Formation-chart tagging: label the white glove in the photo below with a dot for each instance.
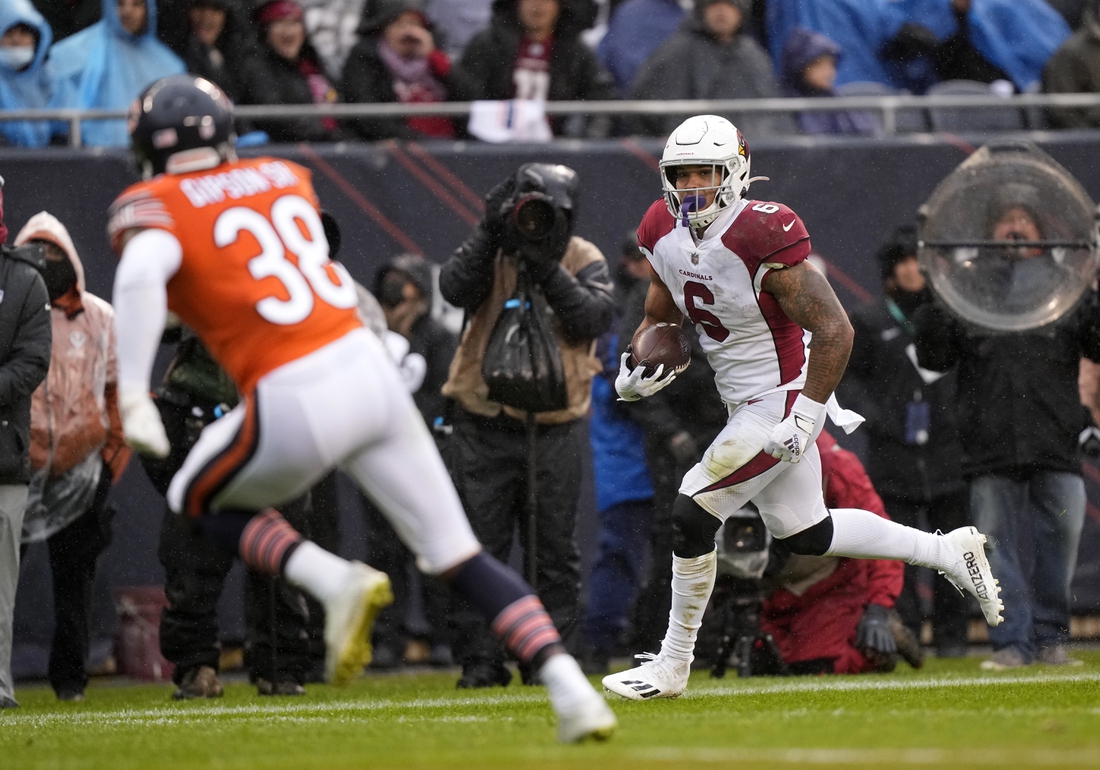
(141, 424)
(790, 439)
(412, 366)
(632, 385)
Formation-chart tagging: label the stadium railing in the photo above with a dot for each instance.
(887, 106)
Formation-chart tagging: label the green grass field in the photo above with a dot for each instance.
(949, 714)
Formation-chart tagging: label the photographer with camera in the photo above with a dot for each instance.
(26, 338)
(832, 615)
(523, 261)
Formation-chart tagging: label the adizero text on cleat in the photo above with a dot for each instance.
(657, 677)
(974, 575)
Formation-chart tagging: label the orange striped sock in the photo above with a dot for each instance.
(267, 542)
(526, 629)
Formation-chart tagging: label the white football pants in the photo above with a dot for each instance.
(344, 406)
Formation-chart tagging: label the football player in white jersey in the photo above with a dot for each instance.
(778, 341)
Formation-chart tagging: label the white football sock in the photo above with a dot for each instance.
(566, 684)
(316, 571)
(860, 534)
(692, 582)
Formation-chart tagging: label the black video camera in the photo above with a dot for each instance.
(745, 556)
(535, 212)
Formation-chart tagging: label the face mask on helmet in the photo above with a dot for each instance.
(711, 141)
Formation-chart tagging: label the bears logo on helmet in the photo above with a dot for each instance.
(180, 124)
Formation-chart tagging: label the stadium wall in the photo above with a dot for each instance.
(391, 198)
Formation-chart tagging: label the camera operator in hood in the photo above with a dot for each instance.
(528, 224)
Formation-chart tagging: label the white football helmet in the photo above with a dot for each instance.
(699, 141)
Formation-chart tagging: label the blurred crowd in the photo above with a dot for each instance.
(100, 54)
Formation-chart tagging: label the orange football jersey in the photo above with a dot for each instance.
(256, 282)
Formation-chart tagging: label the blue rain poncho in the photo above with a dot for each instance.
(1018, 36)
(31, 88)
(860, 28)
(105, 67)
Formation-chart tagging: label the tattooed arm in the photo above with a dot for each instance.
(809, 301)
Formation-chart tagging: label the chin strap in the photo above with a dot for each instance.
(750, 180)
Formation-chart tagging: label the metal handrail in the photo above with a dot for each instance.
(888, 106)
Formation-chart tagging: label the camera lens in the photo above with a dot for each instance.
(534, 218)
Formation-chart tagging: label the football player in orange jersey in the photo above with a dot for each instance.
(236, 249)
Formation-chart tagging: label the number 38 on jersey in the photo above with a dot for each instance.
(283, 233)
(255, 281)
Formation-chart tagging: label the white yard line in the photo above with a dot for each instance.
(180, 713)
(198, 711)
(848, 757)
(856, 684)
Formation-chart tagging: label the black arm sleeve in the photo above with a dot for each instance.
(937, 337)
(583, 303)
(466, 279)
(29, 356)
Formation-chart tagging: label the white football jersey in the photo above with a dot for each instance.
(752, 345)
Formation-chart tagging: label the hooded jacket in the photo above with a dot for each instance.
(105, 67)
(826, 593)
(367, 79)
(268, 78)
(31, 88)
(24, 354)
(803, 47)
(636, 29)
(693, 65)
(221, 63)
(1017, 36)
(1019, 408)
(1075, 69)
(74, 413)
(575, 73)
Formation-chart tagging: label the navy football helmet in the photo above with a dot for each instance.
(180, 124)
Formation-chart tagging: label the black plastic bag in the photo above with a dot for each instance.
(522, 364)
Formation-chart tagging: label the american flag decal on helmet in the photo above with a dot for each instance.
(136, 209)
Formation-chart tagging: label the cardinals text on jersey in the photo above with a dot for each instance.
(256, 282)
(752, 345)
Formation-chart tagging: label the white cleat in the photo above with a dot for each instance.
(594, 719)
(349, 619)
(657, 677)
(974, 575)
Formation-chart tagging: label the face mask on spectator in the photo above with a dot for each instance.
(60, 275)
(17, 57)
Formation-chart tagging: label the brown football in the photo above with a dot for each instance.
(661, 343)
